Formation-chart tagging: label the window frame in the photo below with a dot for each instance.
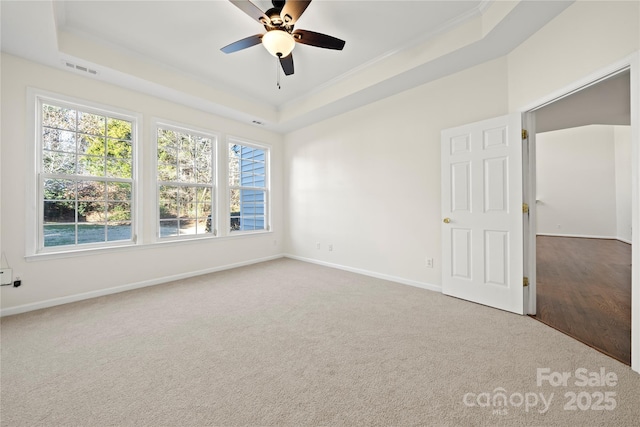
(35, 244)
(233, 140)
(215, 141)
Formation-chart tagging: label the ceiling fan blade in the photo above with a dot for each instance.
(287, 64)
(243, 44)
(317, 39)
(252, 10)
(292, 10)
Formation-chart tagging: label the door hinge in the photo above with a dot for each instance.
(525, 282)
(525, 134)
(525, 208)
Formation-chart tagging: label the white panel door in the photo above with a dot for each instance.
(482, 239)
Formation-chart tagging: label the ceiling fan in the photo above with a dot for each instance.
(281, 38)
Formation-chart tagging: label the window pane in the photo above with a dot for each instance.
(57, 212)
(234, 199)
(187, 226)
(92, 212)
(91, 165)
(120, 129)
(246, 179)
(203, 195)
(59, 189)
(168, 228)
(167, 172)
(58, 163)
(58, 140)
(119, 191)
(203, 226)
(91, 190)
(187, 161)
(58, 117)
(234, 169)
(168, 202)
(59, 234)
(166, 139)
(91, 233)
(186, 200)
(91, 124)
(119, 212)
(118, 232)
(119, 148)
(204, 170)
(118, 168)
(94, 145)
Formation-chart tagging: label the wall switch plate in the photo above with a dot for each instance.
(6, 276)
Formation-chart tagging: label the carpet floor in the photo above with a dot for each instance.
(288, 343)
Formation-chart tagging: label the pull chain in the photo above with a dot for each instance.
(278, 73)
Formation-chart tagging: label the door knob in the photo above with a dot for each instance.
(446, 220)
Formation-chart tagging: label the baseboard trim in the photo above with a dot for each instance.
(117, 289)
(582, 236)
(414, 283)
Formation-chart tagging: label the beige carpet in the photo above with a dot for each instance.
(296, 344)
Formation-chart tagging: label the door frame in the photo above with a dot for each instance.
(631, 63)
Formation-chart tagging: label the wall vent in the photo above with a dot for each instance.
(81, 68)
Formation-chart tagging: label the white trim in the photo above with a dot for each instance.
(583, 236)
(634, 63)
(117, 289)
(396, 279)
(136, 247)
(529, 221)
(583, 83)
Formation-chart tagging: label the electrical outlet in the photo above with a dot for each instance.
(317, 245)
(330, 248)
(6, 276)
(429, 262)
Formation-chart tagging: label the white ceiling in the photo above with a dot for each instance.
(172, 49)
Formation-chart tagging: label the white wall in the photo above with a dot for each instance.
(586, 37)
(622, 140)
(576, 182)
(47, 279)
(368, 182)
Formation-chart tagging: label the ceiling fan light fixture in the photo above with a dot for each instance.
(279, 43)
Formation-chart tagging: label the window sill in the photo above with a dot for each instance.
(128, 247)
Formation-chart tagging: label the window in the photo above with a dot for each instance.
(185, 182)
(86, 180)
(248, 187)
(85, 175)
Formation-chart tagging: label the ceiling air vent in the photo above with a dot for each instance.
(80, 68)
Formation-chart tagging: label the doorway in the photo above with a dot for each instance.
(582, 216)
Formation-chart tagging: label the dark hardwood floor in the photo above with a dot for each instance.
(584, 290)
